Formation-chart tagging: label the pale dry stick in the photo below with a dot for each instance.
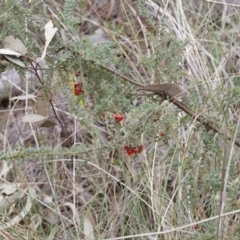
(27, 84)
(173, 229)
(225, 155)
(151, 178)
(74, 191)
(75, 131)
(225, 172)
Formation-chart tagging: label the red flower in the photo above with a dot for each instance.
(78, 73)
(196, 227)
(77, 89)
(118, 117)
(162, 134)
(133, 150)
(129, 150)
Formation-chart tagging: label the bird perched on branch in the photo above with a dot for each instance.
(167, 90)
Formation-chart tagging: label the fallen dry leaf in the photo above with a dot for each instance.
(42, 103)
(33, 118)
(6, 51)
(48, 124)
(14, 44)
(49, 33)
(15, 60)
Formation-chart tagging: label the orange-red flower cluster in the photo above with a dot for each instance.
(196, 227)
(162, 134)
(118, 117)
(133, 150)
(77, 89)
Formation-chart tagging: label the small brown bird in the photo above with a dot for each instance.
(165, 90)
